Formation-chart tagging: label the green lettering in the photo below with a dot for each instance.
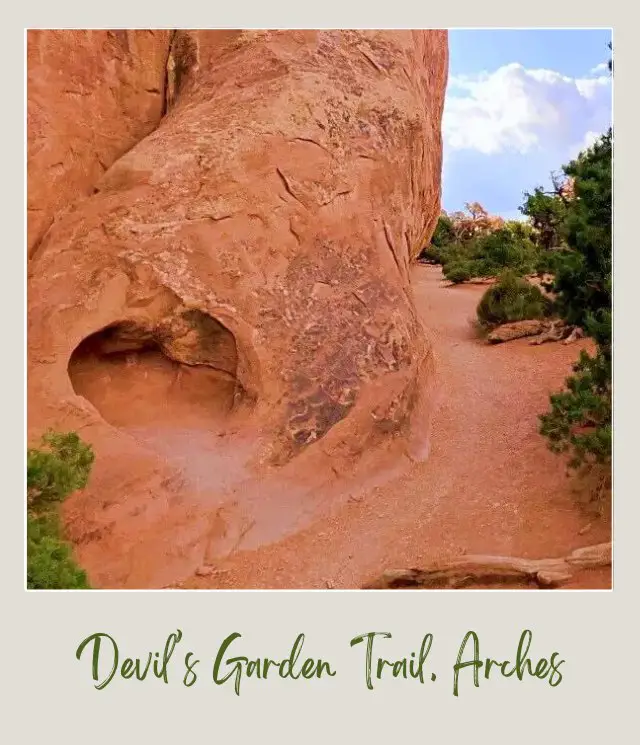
(475, 662)
(237, 670)
(96, 639)
(369, 637)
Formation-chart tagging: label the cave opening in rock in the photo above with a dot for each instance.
(132, 377)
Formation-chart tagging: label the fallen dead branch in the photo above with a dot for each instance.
(467, 571)
(576, 334)
(558, 331)
(542, 331)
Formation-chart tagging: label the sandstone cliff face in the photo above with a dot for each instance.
(92, 96)
(260, 236)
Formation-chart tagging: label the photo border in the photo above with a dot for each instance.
(590, 627)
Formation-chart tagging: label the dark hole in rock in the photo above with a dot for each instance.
(124, 372)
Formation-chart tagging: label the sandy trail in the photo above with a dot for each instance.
(490, 485)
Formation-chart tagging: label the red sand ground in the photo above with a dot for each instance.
(489, 486)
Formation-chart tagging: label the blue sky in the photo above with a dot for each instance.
(519, 105)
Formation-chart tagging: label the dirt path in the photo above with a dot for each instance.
(489, 485)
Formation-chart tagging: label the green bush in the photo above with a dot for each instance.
(510, 299)
(444, 233)
(508, 248)
(552, 262)
(50, 565)
(520, 229)
(580, 418)
(459, 260)
(458, 272)
(443, 236)
(60, 466)
(432, 255)
(547, 213)
(584, 283)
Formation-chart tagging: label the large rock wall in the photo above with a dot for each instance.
(281, 197)
(92, 95)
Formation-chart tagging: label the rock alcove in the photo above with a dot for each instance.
(180, 374)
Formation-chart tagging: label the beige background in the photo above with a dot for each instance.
(49, 695)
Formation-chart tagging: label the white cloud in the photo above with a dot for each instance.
(515, 109)
(586, 142)
(590, 138)
(602, 67)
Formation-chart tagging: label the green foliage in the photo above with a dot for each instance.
(547, 213)
(483, 250)
(508, 248)
(443, 236)
(50, 565)
(580, 417)
(458, 272)
(510, 299)
(431, 255)
(60, 466)
(584, 283)
(552, 262)
(520, 229)
(444, 233)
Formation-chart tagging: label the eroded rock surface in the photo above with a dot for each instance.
(92, 95)
(262, 231)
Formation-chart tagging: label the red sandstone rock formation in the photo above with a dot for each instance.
(247, 259)
(92, 96)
